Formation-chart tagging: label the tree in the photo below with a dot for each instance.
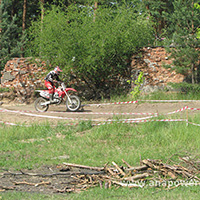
(9, 45)
(0, 19)
(158, 11)
(24, 24)
(13, 24)
(186, 53)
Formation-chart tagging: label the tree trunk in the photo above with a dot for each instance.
(95, 8)
(0, 17)
(193, 74)
(42, 2)
(24, 24)
(24, 15)
(198, 73)
(13, 8)
(42, 10)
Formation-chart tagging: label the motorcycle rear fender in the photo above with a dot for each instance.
(43, 93)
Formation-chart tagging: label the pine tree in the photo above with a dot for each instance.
(10, 43)
(184, 26)
(158, 11)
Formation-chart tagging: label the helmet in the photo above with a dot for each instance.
(57, 70)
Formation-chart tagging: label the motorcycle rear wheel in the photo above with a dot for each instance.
(74, 105)
(39, 107)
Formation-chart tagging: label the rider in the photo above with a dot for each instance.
(49, 81)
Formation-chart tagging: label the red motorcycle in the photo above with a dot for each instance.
(73, 102)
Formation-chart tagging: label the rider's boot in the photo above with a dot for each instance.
(51, 98)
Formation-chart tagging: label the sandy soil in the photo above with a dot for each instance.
(26, 114)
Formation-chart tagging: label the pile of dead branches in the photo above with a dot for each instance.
(151, 173)
(68, 177)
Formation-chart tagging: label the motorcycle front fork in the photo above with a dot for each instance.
(67, 95)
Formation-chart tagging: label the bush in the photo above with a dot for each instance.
(96, 50)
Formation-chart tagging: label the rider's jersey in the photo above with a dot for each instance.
(52, 76)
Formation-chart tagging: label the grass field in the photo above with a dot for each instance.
(31, 147)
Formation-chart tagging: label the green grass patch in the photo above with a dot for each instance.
(159, 95)
(180, 193)
(31, 147)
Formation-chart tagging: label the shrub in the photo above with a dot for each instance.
(96, 50)
(187, 87)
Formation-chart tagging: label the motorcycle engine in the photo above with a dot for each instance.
(58, 99)
(56, 95)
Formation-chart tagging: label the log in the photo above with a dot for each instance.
(84, 166)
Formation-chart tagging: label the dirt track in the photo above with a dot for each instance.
(26, 114)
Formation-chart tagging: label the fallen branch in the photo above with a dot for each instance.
(84, 167)
(138, 176)
(129, 166)
(150, 171)
(33, 184)
(3, 188)
(119, 169)
(143, 167)
(54, 174)
(189, 162)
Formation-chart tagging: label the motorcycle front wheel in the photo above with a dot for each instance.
(38, 105)
(75, 103)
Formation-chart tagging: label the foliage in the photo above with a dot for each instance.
(197, 6)
(94, 48)
(11, 37)
(4, 90)
(187, 88)
(184, 23)
(137, 85)
(9, 45)
(158, 10)
(198, 33)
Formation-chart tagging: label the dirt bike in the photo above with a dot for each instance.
(73, 102)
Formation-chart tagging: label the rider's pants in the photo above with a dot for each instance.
(50, 86)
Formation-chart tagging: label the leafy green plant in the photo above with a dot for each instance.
(137, 85)
(197, 6)
(4, 89)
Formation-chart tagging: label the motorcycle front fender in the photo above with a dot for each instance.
(70, 89)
